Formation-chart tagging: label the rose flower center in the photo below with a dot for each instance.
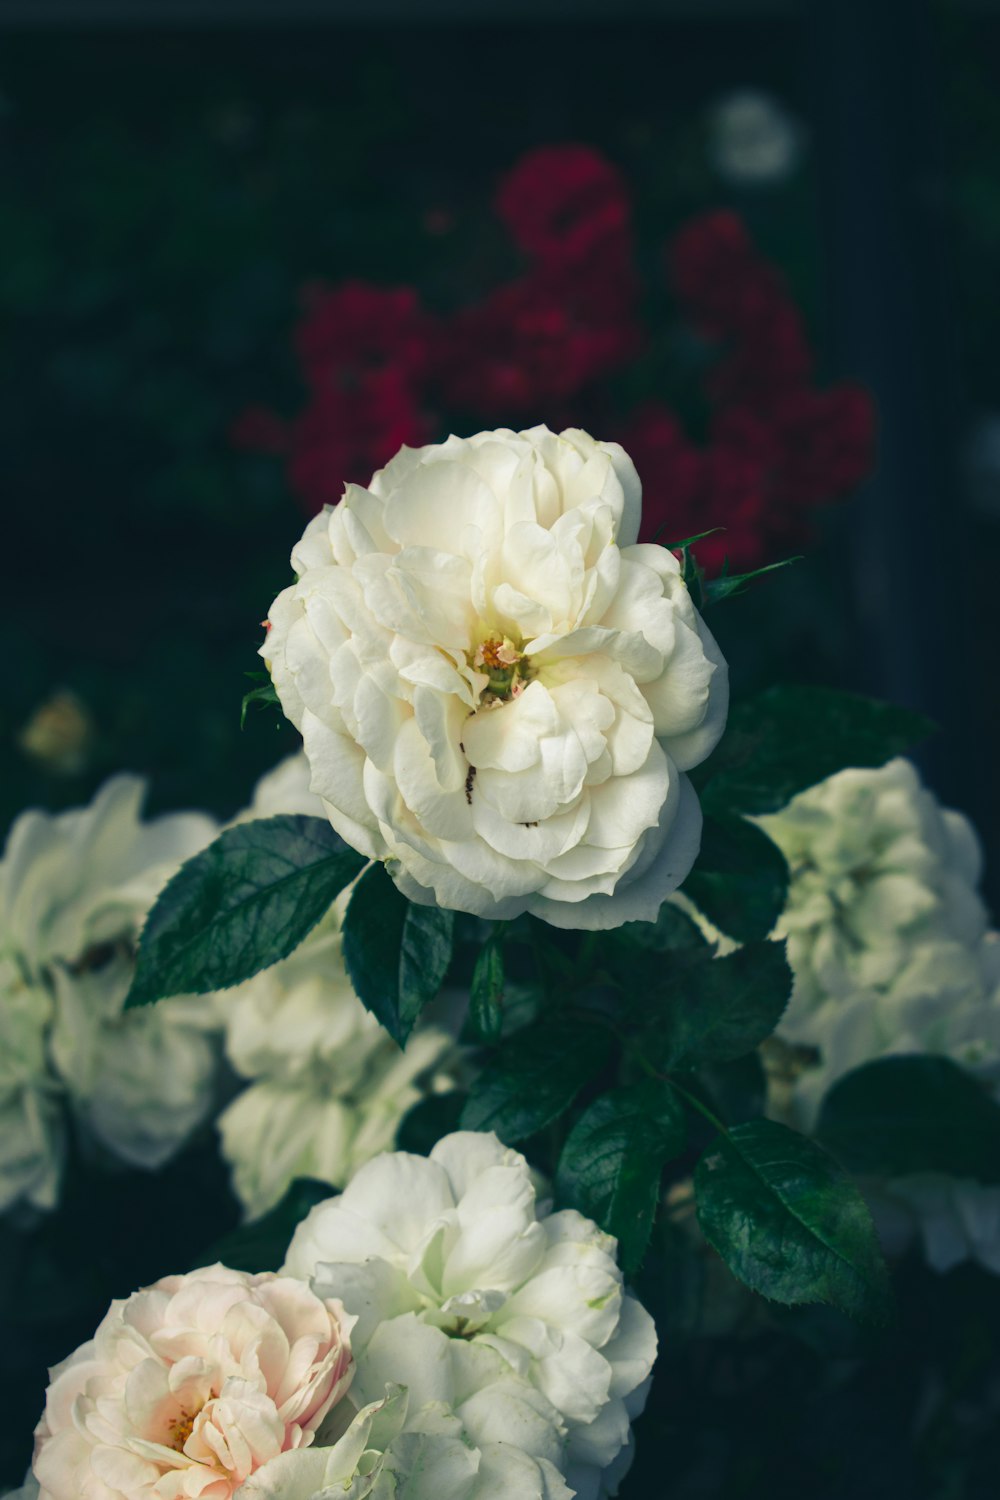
(506, 668)
(180, 1428)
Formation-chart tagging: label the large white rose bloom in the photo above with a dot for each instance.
(74, 890)
(888, 945)
(451, 1258)
(387, 1455)
(499, 692)
(189, 1386)
(327, 1087)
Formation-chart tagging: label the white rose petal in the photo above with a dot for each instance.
(498, 690)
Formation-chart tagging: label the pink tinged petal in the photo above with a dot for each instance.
(122, 1472)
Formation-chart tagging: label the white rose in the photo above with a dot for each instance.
(74, 890)
(877, 866)
(189, 1386)
(498, 690)
(449, 1259)
(383, 1456)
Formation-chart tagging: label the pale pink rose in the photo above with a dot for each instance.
(191, 1385)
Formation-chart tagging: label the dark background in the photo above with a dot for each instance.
(169, 177)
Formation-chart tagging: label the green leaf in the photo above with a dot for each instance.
(788, 738)
(673, 930)
(258, 697)
(613, 1159)
(262, 1244)
(397, 954)
(714, 590)
(487, 991)
(534, 1077)
(740, 879)
(711, 1010)
(789, 1222)
(912, 1114)
(240, 905)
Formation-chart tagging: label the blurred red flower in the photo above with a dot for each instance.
(381, 371)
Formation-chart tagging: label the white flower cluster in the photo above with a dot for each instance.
(499, 691)
(327, 1087)
(888, 943)
(490, 1349)
(74, 890)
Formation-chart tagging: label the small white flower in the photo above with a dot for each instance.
(753, 140)
(189, 1386)
(877, 867)
(457, 1273)
(498, 690)
(74, 890)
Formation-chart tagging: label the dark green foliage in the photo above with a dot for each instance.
(397, 954)
(740, 878)
(612, 1161)
(486, 998)
(534, 1077)
(240, 905)
(789, 1222)
(711, 1010)
(790, 737)
(913, 1114)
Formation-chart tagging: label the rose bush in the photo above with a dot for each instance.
(498, 691)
